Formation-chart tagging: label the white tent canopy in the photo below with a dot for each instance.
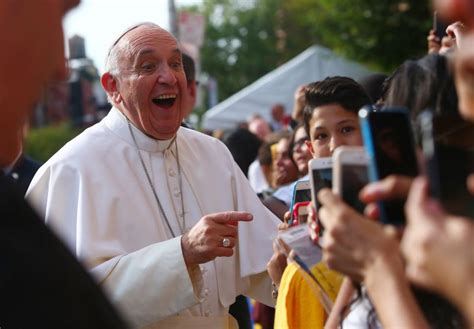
(279, 86)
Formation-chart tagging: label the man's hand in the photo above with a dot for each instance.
(437, 245)
(353, 244)
(277, 264)
(393, 187)
(298, 105)
(204, 241)
(434, 43)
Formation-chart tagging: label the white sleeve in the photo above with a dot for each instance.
(148, 284)
(151, 283)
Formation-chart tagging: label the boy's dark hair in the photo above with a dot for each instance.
(333, 90)
(189, 67)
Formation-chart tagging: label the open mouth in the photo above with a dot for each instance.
(166, 100)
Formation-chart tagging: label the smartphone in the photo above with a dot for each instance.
(439, 26)
(447, 166)
(389, 143)
(320, 172)
(301, 193)
(300, 213)
(350, 174)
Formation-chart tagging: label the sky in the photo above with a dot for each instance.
(100, 22)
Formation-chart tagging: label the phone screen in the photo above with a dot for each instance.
(299, 195)
(321, 178)
(391, 143)
(447, 166)
(354, 178)
(439, 26)
(454, 166)
(302, 195)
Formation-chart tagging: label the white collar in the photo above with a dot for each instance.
(117, 123)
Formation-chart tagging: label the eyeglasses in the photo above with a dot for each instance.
(300, 142)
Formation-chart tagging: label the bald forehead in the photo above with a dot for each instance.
(134, 39)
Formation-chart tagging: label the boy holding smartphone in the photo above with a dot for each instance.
(330, 120)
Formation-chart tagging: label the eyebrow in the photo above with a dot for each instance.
(144, 51)
(346, 121)
(177, 51)
(337, 124)
(147, 51)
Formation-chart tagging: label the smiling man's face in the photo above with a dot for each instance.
(150, 85)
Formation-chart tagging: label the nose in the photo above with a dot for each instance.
(300, 147)
(279, 161)
(335, 143)
(166, 76)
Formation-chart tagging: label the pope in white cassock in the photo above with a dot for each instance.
(161, 215)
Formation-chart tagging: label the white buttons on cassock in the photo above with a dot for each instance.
(171, 172)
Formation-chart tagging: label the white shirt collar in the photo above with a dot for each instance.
(117, 123)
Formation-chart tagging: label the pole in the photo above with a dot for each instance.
(173, 19)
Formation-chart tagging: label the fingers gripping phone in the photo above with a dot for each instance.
(350, 174)
(389, 143)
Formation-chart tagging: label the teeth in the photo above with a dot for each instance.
(166, 96)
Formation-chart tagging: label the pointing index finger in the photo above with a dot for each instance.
(231, 217)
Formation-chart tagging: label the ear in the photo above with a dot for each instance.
(109, 83)
(309, 145)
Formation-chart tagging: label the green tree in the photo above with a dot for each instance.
(42, 143)
(381, 34)
(240, 42)
(247, 38)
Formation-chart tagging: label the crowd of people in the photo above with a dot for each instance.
(143, 222)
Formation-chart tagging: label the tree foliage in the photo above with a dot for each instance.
(381, 34)
(239, 43)
(42, 143)
(247, 38)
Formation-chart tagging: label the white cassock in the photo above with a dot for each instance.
(95, 194)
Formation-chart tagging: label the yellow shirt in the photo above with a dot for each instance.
(297, 305)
